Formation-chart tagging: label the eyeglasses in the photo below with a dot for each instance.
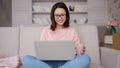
(60, 15)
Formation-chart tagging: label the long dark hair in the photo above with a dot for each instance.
(55, 6)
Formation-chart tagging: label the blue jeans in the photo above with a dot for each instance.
(81, 61)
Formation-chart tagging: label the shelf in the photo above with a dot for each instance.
(58, 0)
(78, 12)
(49, 12)
(41, 10)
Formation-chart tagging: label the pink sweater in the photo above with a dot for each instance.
(61, 34)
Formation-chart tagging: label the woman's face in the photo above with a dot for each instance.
(60, 16)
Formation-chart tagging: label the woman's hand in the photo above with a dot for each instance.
(80, 49)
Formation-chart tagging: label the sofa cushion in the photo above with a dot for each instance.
(27, 37)
(89, 37)
(93, 65)
(9, 40)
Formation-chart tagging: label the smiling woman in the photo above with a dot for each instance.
(60, 30)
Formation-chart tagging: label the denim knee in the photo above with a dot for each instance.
(84, 59)
(27, 58)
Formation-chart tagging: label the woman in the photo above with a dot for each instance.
(9, 62)
(60, 30)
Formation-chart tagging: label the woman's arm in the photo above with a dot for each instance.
(80, 48)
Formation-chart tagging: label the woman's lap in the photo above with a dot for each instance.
(55, 64)
(81, 61)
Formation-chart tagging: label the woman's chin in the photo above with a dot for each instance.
(61, 24)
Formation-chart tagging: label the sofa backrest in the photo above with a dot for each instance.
(88, 35)
(27, 37)
(9, 40)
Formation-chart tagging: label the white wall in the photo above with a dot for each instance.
(97, 12)
(114, 11)
(21, 12)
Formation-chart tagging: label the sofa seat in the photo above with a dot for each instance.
(94, 65)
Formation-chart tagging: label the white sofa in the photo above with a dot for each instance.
(20, 40)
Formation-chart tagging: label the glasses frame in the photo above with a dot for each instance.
(60, 15)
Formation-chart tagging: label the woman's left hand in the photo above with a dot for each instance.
(81, 49)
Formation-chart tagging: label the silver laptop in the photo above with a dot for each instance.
(55, 50)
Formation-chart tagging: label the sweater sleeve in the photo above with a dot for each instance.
(76, 38)
(79, 46)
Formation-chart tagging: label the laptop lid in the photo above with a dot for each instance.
(55, 50)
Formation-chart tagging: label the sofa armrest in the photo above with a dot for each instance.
(110, 58)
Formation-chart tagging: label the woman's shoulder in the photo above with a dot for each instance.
(46, 28)
(72, 28)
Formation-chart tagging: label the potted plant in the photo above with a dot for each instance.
(112, 24)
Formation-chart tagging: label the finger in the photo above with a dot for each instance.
(84, 47)
(83, 50)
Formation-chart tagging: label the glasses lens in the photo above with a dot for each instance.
(60, 15)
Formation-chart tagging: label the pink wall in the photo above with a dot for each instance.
(113, 10)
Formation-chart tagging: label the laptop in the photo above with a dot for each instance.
(55, 50)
